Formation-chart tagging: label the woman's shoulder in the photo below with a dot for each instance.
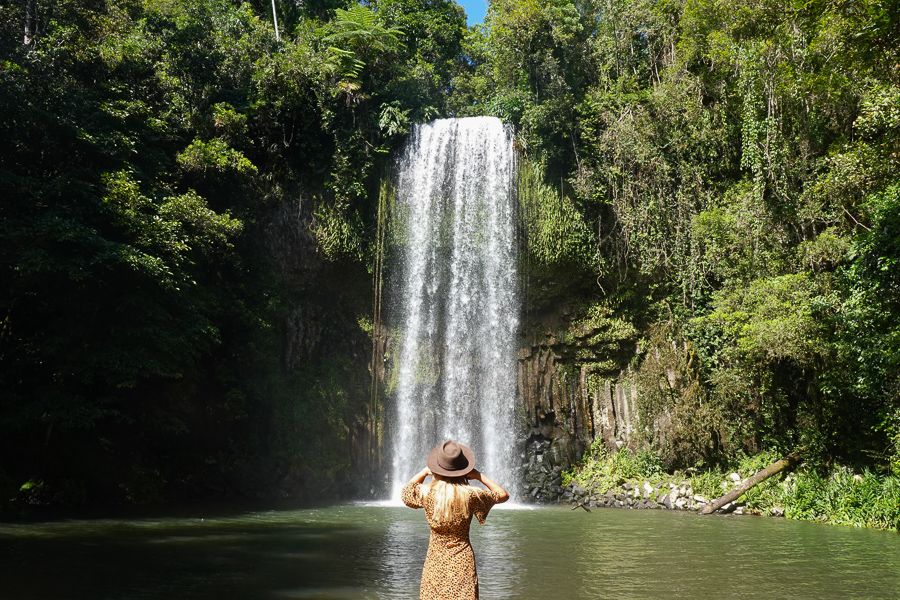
(477, 493)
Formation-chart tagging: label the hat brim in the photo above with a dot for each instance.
(432, 462)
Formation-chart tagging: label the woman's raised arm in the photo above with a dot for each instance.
(419, 477)
(502, 494)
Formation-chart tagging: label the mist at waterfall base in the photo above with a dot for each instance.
(454, 297)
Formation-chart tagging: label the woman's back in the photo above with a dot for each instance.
(449, 507)
(450, 502)
(449, 572)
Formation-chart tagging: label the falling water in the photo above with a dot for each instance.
(455, 296)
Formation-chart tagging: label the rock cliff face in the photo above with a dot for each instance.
(574, 387)
(320, 396)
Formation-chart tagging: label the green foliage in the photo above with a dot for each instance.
(843, 498)
(216, 156)
(707, 484)
(357, 37)
(393, 120)
(431, 33)
(556, 233)
(867, 337)
(773, 319)
(675, 414)
(337, 236)
(601, 470)
(157, 237)
(839, 498)
(735, 241)
(722, 173)
(228, 122)
(601, 325)
(739, 161)
(891, 425)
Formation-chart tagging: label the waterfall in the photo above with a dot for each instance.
(455, 298)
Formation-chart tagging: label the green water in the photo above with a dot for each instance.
(358, 551)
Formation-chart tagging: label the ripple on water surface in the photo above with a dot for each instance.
(376, 551)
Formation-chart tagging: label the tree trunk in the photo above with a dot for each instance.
(275, 20)
(30, 21)
(775, 468)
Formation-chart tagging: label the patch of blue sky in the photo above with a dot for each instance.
(475, 10)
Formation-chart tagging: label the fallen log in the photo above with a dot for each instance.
(581, 505)
(774, 469)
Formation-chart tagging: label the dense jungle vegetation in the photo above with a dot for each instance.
(189, 220)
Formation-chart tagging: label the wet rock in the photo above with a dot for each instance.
(776, 511)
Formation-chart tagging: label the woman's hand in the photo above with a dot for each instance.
(501, 494)
(420, 476)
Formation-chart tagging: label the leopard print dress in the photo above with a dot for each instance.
(449, 571)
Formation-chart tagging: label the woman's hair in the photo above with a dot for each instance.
(451, 498)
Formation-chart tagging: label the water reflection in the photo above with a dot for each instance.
(377, 552)
(496, 548)
(402, 555)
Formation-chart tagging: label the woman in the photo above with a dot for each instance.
(449, 502)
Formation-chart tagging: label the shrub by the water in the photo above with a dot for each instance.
(844, 498)
(601, 470)
(839, 497)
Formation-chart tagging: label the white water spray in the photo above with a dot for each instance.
(455, 297)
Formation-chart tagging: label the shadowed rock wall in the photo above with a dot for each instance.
(574, 387)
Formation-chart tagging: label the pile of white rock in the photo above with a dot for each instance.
(646, 495)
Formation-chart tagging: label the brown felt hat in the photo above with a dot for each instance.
(451, 459)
